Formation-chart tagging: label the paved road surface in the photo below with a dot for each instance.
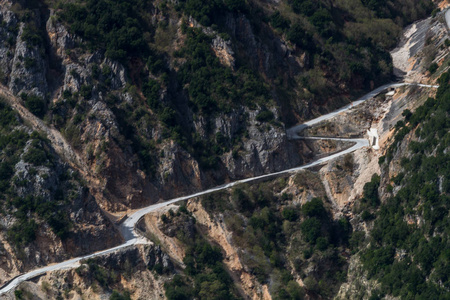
(127, 227)
(292, 133)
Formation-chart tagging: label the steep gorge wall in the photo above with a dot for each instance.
(56, 68)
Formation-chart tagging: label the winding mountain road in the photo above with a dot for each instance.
(127, 228)
(292, 132)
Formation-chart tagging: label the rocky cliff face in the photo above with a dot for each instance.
(142, 132)
(23, 66)
(66, 221)
(8, 34)
(128, 271)
(88, 98)
(214, 218)
(341, 182)
(138, 119)
(53, 215)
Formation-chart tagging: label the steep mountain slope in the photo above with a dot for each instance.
(45, 205)
(285, 240)
(409, 240)
(154, 99)
(186, 97)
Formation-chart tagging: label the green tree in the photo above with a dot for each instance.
(36, 105)
(311, 229)
(314, 208)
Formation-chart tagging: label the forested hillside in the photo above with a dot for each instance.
(171, 89)
(409, 241)
(287, 238)
(157, 99)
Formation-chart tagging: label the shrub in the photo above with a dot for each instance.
(433, 68)
(29, 62)
(407, 114)
(118, 296)
(235, 5)
(8, 116)
(435, 11)
(370, 190)
(314, 208)
(241, 200)
(22, 233)
(322, 19)
(289, 214)
(305, 7)
(278, 21)
(158, 268)
(18, 294)
(31, 36)
(164, 218)
(6, 171)
(86, 91)
(95, 71)
(36, 105)
(265, 116)
(46, 287)
(102, 275)
(322, 243)
(73, 135)
(378, 259)
(151, 92)
(311, 229)
(60, 224)
(366, 216)
(178, 289)
(348, 162)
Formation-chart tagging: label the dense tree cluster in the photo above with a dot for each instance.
(111, 24)
(211, 85)
(411, 259)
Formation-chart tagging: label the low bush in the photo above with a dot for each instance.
(265, 116)
(36, 105)
(433, 68)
